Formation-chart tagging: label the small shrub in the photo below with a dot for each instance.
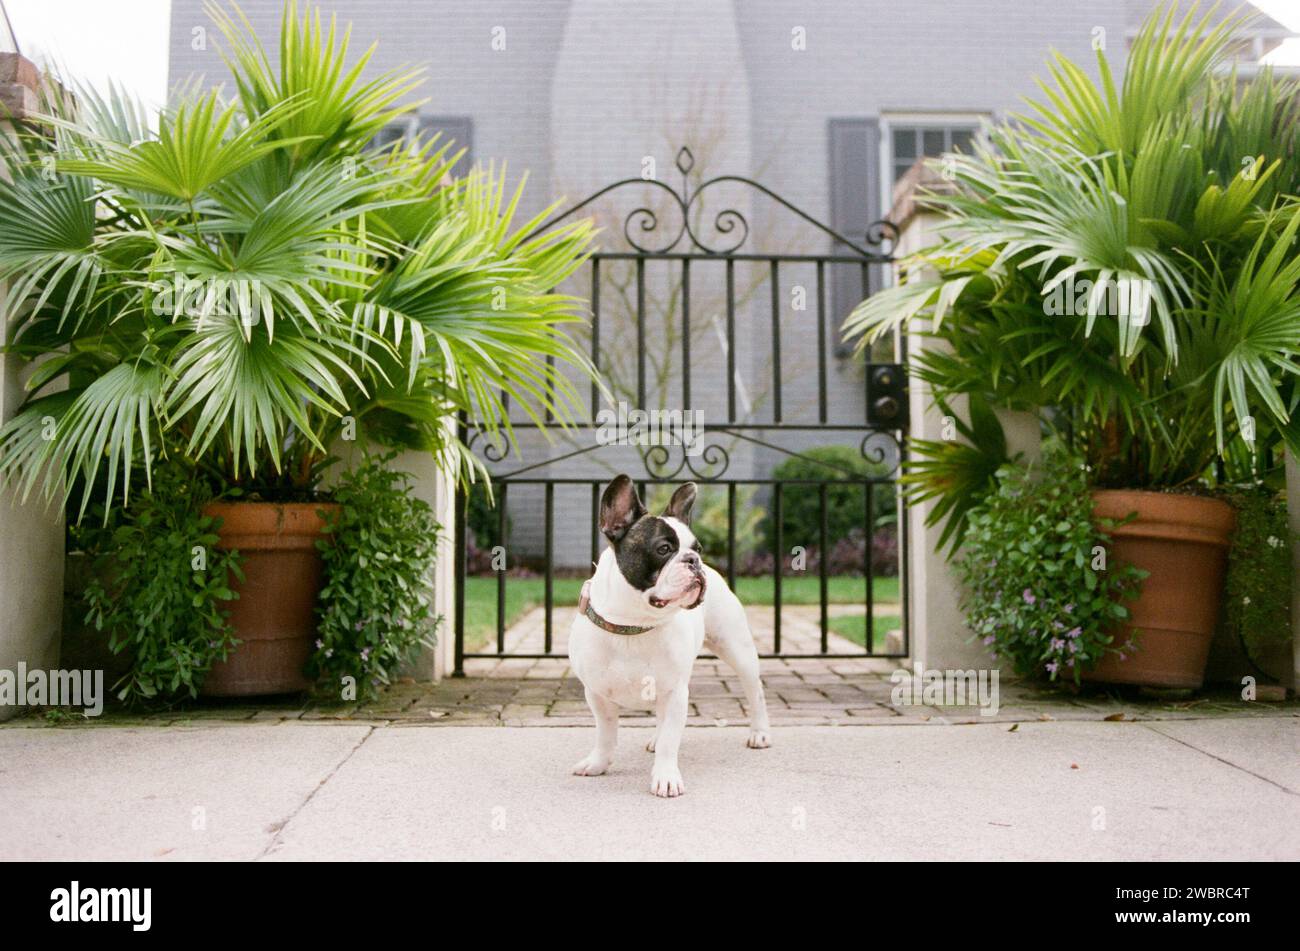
(374, 608)
(1031, 593)
(1257, 590)
(158, 587)
(848, 557)
(481, 516)
(845, 504)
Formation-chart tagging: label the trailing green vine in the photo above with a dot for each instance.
(1039, 590)
(375, 607)
(159, 587)
(1257, 590)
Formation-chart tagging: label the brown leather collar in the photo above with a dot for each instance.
(592, 615)
(584, 605)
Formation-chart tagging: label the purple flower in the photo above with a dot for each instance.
(989, 640)
(365, 654)
(1028, 596)
(1074, 632)
(359, 625)
(1074, 648)
(1069, 609)
(1070, 662)
(1051, 668)
(1058, 644)
(319, 643)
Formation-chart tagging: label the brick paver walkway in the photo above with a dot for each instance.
(800, 692)
(543, 693)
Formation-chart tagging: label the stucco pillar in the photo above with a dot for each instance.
(31, 533)
(437, 486)
(940, 638)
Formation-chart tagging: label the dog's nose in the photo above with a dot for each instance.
(691, 558)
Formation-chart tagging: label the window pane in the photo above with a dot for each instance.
(961, 139)
(933, 142)
(904, 144)
(389, 134)
(900, 169)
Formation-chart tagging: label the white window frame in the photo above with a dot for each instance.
(914, 120)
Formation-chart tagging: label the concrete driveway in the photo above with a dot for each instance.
(1185, 789)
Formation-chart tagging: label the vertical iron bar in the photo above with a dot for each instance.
(550, 367)
(904, 540)
(779, 569)
(686, 335)
(870, 640)
(731, 535)
(775, 280)
(640, 332)
(550, 559)
(731, 340)
(595, 333)
(501, 573)
(821, 342)
(823, 581)
(866, 389)
(595, 520)
(458, 666)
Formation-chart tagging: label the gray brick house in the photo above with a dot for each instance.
(827, 104)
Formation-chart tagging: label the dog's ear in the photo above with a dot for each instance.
(682, 504)
(620, 507)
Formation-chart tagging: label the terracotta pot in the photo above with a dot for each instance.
(275, 616)
(1182, 541)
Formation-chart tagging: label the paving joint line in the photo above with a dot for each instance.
(276, 839)
(1147, 724)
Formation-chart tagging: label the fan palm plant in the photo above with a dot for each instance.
(251, 280)
(1122, 260)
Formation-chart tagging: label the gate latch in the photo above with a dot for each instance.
(887, 396)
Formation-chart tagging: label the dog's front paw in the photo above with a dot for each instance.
(591, 765)
(666, 781)
(759, 740)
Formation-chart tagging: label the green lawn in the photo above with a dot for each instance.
(523, 594)
(854, 627)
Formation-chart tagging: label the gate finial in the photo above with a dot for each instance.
(685, 160)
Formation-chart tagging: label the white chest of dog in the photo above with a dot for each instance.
(646, 613)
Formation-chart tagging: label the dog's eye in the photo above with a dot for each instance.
(696, 548)
(665, 549)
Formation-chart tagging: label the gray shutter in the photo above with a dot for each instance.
(855, 204)
(460, 129)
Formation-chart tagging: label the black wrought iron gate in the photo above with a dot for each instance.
(661, 346)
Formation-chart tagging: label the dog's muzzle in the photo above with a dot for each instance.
(704, 584)
(698, 584)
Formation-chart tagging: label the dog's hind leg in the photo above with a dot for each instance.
(727, 634)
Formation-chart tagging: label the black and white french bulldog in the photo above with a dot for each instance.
(643, 618)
